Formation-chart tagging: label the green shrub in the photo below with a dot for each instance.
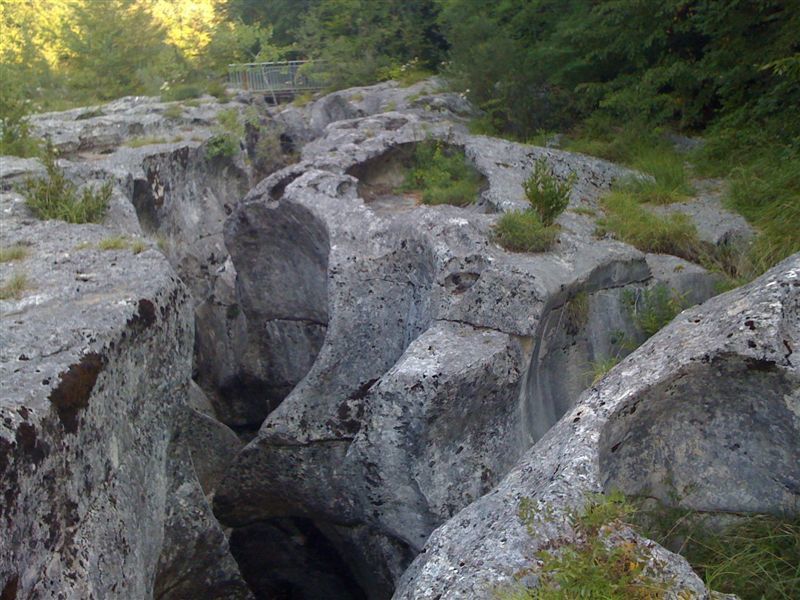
(228, 131)
(221, 145)
(217, 89)
(548, 196)
(15, 131)
(522, 231)
(441, 174)
(653, 308)
(55, 197)
(228, 121)
(181, 91)
(629, 222)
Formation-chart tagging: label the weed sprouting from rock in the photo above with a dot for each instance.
(56, 197)
(653, 308)
(597, 562)
(547, 195)
(14, 287)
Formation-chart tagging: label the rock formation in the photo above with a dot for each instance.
(356, 382)
(705, 415)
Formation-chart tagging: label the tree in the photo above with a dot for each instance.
(113, 48)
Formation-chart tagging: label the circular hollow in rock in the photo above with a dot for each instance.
(381, 177)
(716, 436)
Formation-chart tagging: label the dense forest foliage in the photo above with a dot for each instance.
(613, 70)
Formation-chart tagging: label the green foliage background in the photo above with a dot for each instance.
(610, 73)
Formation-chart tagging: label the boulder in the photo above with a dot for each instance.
(95, 361)
(705, 415)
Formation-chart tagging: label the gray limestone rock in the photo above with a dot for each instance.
(715, 224)
(705, 415)
(420, 359)
(389, 364)
(95, 359)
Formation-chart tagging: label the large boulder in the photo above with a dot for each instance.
(98, 490)
(705, 416)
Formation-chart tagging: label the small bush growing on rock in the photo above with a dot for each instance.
(548, 196)
(441, 174)
(181, 91)
(15, 130)
(228, 132)
(217, 89)
(522, 231)
(221, 146)
(55, 197)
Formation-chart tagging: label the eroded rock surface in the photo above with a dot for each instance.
(95, 360)
(705, 415)
(389, 364)
(423, 360)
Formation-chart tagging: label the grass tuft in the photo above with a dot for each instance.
(55, 197)
(629, 222)
(442, 175)
(138, 246)
(117, 242)
(12, 253)
(523, 231)
(600, 367)
(173, 111)
(755, 556)
(640, 149)
(14, 287)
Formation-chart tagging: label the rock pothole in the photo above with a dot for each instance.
(383, 180)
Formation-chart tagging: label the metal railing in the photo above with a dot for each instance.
(281, 79)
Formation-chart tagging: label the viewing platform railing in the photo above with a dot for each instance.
(281, 79)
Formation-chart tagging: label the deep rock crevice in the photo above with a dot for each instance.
(367, 384)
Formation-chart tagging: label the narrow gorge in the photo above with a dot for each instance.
(303, 383)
